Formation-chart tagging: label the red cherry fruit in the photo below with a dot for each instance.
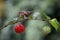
(19, 28)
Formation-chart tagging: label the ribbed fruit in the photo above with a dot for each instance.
(19, 28)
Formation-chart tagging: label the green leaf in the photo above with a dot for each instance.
(54, 23)
(46, 17)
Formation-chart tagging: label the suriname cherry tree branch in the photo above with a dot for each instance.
(24, 15)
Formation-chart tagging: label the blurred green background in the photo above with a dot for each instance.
(10, 8)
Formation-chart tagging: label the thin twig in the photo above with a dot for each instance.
(23, 21)
(3, 27)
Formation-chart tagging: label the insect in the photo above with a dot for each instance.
(25, 13)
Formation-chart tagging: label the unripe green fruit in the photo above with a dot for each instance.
(46, 30)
